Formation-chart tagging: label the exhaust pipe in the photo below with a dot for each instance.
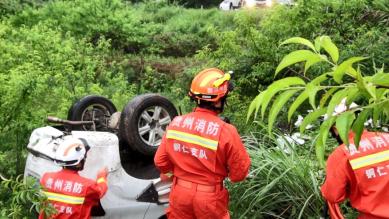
(68, 122)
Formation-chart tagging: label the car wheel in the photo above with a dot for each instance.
(144, 120)
(92, 108)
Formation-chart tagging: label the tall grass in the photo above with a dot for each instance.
(280, 185)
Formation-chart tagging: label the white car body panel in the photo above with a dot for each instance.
(123, 189)
(120, 199)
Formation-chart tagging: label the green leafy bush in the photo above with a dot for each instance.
(43, 73)
(283, 182)
(54, 52)
(252, 50)
(153, 32)
(21, 199)
(340, 81)
(153, 27)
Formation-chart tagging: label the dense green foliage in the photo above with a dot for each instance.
(42, 73)
(188, 3)
(23, 198)
(339, 83)
(155, 28)
(252, 48)
(282, 182)
(54, 52)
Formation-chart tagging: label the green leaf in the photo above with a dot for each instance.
(343, 125)
(320, 150)
(364, 85)
(252, 107)
(341, 69)
(381, 79)
(358, 125)
(28, 196)
(277, 105)
(360, 80)
(319, 79)
(312, 90)
(335, 100)
(352, 72)
(299, 100)
(317, 43)
(22, 197)
(371, 89)
(380, 93)
(325, 128)
(277, 86)
(377, 110)
(353, 93)
(294, 57)
(322, 139)
(313, 60)
(325, 97)
(330, 48)
(311, 117)
(299, 40)
(255, 104)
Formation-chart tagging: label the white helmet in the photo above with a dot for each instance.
(71, 151)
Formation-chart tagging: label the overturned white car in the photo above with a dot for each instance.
(124, 142)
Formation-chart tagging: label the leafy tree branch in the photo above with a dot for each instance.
(370, 92)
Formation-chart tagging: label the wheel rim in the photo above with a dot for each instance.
(97, 113)
(152, 124)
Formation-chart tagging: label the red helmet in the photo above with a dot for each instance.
(210, 85)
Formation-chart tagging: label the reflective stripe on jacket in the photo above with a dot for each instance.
(201, 148)
(362, 175)
(72, 195)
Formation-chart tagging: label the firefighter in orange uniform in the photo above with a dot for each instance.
(72, 195)
(361, 175)
(201, 150)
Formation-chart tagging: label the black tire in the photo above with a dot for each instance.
(150, 112)
(92, 108)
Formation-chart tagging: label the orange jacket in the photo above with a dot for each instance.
(201, 148)
(362, 175)
(72, 195)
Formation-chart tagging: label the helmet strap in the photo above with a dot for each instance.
(224, 102)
